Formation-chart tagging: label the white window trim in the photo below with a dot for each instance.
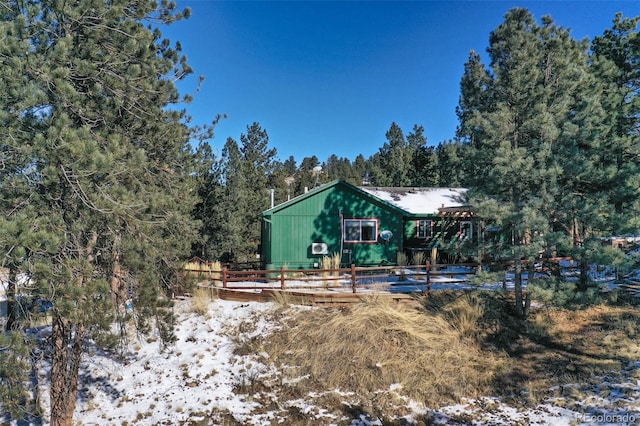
(428, 229)
(465, 236)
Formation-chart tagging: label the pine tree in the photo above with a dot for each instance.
(475, 99)
(360, 169)
(289, 169)
(450, 161)
(519, 123)
(258, 164)
(210, 193)
(616, 63)
(233, 209)
(100, 167)
(424, 162)
(395, 157)
(306, 177)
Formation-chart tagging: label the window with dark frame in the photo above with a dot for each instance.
(424, 229)
(360, 230)
(466, 230)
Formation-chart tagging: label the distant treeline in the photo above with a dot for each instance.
(248, 177)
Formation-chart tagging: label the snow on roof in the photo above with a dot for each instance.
(419, 200)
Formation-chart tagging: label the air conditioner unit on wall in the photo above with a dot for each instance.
(319, 248)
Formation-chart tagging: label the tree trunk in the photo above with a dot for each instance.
(531, 270)
(117, 289)
(518, 288)
(583, 282)
(67, 342)
(11, 298)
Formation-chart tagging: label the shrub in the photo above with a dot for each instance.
(200, 300)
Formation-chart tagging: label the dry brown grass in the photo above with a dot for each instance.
(554, 347)
(464, 314)
(605, 332)
(330, 262)
(368, 347)
(367, 358)
(285, 298)
(215, 271)
(419, 258)
(402, 259)
(200, 300)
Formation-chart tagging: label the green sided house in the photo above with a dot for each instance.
(368, 226)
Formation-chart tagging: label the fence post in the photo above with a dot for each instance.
(282, 277)
(428, 280)
(224, 277)
(353, 277)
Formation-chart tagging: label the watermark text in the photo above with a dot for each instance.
(625, 418)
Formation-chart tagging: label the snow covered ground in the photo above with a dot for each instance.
(200, 377)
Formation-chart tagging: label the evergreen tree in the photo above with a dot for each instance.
(396, 157)
(306, 177)
(207, 211)
(256, 165)
(360, 168)
(424, 162)
(332, 168)
(278, 183)
(425, 168)
(341, 168)
(616, 63)
(98, 165)
(289, 166)
(289, 169)
(231, 241)
(450, 161)
(475, 99)
(537, 89)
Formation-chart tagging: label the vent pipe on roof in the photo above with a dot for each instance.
(272, 193)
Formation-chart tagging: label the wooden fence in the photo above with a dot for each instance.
(353, 276)
(349, 280)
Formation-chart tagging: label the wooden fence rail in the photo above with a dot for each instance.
(318, 278)
(355, 277)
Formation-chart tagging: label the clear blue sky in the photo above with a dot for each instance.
(330, 77)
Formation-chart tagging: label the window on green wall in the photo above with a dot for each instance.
(360, 230)
(424, 229)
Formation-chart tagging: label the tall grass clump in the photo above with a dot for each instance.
(200, 300)
(419, 259)
(464, 314)
(330, 262)
(402, 260)
(215, 271)
(372, 346)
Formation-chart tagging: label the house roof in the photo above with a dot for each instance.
(419, 200)
(328, 186)
(409, 200)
